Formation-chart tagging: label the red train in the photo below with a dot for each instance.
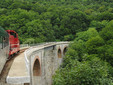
(9, 45)
(13, 42)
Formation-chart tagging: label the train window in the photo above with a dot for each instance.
(14, 34)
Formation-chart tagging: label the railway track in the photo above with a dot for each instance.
(7, 67)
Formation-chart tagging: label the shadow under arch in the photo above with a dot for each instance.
(64, 51)
(36, 79)
(59, 53)
(36, 68)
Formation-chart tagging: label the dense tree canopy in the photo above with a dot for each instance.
(89, 59)
(58, 19)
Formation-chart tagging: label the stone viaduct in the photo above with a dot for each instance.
(40, 63)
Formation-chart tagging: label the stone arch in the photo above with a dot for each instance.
(59, 53)
(36, 67)
(65, 50)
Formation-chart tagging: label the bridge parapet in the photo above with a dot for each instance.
(40, 46)
(40, 63)
(48, 56)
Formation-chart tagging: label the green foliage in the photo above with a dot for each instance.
(68, 37)
(98, 25)
(107, 32)
(60, 19)
(42, 20)
(93, 44)
(105, 16)
(89, 59)
(85, 35)
(29, 41)
(91, 72)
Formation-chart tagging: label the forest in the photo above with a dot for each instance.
(38, 21)
(88, 24)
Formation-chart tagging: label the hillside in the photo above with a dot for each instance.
(53, 20)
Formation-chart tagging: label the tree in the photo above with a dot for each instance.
(98, 25)
(90, 72)
(107, 32)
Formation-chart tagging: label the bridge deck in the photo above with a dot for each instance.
(18, 72)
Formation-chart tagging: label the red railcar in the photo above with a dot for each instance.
(13, 42)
